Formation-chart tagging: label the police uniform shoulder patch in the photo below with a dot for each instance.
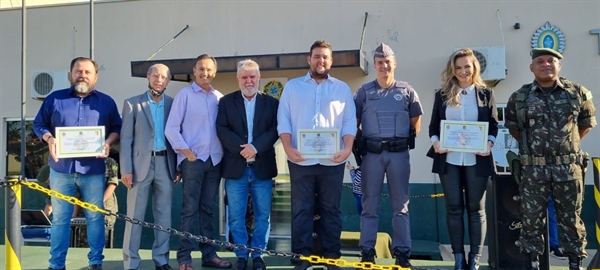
(369, 85)
(401, 84)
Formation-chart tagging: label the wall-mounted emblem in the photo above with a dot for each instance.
(273, 86)
(548, 36)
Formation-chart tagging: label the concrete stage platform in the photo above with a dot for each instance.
(36, 257)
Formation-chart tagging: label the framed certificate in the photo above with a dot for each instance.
(86, 141)
(464, 136)
(318, 143)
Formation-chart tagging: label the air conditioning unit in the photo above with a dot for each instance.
(492, 60)
(44, 82)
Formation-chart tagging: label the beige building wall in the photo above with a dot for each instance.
(422, 33)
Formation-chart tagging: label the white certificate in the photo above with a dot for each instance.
(464, 136)
(318, 143)
(86, 141)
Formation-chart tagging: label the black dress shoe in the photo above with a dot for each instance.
(258, 264)
(240, 264)
(164, 267)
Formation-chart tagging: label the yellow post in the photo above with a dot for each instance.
(595, 263)
(13, 223)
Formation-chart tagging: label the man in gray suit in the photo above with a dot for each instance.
(148, 163)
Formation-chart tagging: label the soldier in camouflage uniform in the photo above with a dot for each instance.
(110, 198)
(549, 117)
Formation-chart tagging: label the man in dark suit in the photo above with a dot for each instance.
(148, 164)
(247, 129)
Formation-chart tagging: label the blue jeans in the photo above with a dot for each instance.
(358, 198)
(552, 229)
(237, 198)
(91, 187)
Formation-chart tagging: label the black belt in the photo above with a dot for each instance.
(159, 153)
(250, 164)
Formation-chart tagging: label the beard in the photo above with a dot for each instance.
(82, 87)
(249, 91)
(154, 92)
(318, 76)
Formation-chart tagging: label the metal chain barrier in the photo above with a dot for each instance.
(201, 239)
(435, 195)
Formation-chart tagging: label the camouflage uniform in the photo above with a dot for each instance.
(552, 160)
(112, 177)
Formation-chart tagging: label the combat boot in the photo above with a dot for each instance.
(533, 262)
(402, 258)
(575, 262)
(367, 255)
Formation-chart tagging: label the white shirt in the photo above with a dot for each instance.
(250, 106)
(468, 111)
(306, 104)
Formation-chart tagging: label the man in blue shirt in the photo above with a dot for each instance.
(79, 105)
(148, 165)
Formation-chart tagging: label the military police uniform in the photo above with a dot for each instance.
(551, 158)
(385, 115)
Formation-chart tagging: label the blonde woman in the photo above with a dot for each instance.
(464, 97)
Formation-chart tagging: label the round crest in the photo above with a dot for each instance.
(273, 88)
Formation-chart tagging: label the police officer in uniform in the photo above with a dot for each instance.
(390, 114)
(549, 117)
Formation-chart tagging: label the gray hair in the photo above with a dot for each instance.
(151, 69)
(247, 65)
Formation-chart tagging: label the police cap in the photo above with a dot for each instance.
(383, 50)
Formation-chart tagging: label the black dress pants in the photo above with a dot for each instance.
(454, 181)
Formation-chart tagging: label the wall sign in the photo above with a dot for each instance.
(548, 36)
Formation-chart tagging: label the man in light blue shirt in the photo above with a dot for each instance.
(148, 164)
(247, 127)
(316, 101)
(191, 129)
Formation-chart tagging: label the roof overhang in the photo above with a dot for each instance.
(181, 69)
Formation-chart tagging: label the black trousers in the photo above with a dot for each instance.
(455, 179)
(326, 183)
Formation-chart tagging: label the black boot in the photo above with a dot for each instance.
(402, 258)
(367, 255)
(533, 262)
(459, 261)
(473, 261)
(575, 261)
